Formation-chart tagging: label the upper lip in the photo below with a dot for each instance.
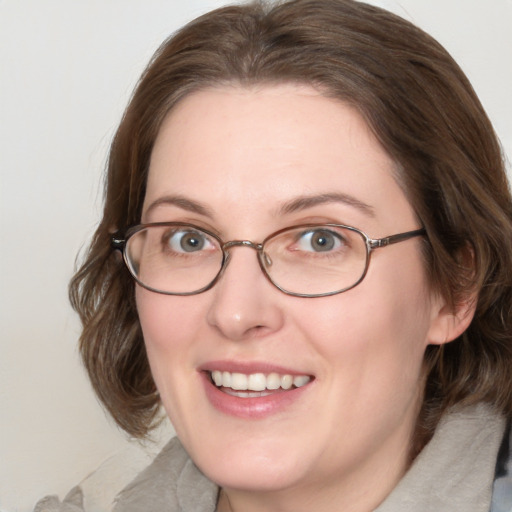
(249, 367)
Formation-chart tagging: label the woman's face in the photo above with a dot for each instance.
(245, 163)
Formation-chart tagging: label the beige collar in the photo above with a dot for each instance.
(455, 471)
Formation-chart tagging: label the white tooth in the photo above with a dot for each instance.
(226, 379)
(300, 380)
(246, 394)
(217, 377)
(286, 381)
(257, 382)
(238, 381)
(273, 381)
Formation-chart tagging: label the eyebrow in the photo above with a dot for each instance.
(183, 203)
(297, 204)
(304, 202)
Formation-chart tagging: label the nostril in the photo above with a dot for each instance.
(258, 331)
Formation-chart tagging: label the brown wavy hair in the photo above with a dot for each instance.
(424, 112)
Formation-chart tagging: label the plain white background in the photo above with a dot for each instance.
(66, 72)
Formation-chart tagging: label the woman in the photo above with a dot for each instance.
(316, 229)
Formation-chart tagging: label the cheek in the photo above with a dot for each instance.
(169, 324)
(351, 322)
(379, 327)
(166, 320)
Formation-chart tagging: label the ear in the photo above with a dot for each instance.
(447, 322)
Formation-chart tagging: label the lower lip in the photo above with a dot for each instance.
(251, 408)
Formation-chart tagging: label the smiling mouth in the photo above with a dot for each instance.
(256, 385)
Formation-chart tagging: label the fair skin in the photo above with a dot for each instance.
(340, 442)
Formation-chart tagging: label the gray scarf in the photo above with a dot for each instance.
(455, 472)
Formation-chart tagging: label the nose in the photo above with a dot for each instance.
(244, 303)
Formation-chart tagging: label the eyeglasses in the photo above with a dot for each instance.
(310, 260)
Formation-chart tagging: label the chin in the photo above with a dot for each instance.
(253, 476)
(260, 465)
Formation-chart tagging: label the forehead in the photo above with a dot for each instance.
(244, 148)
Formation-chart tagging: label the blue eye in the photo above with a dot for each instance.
(319, 240)
(187, 241)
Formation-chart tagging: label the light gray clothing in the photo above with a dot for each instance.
(454, 472)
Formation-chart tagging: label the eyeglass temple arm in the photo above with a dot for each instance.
(393, 239)
(117, 242)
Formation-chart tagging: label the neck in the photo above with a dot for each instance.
(354, 494)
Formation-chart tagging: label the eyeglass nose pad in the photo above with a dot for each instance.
(266, 260)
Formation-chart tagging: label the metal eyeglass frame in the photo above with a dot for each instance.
(118, 242)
